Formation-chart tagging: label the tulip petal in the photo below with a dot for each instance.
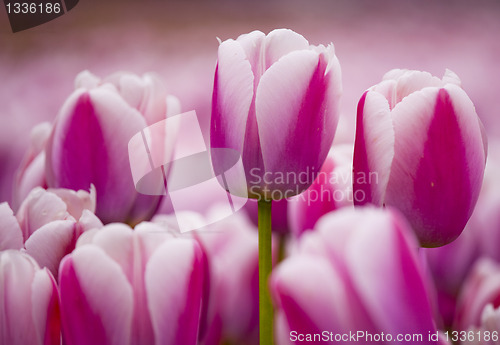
(31, 175)
(156, 105)
(89, 221)
(174, 284)
(77, 201)
(50, 243)
(17, 271)
(232, 97)
(40, 208)
(87, 80)
(45, 301)
(407, 82)
(11, 236)
(288, 131)
(438, 191)
(280, 42)
(131, 88)
(117, 241)
(373, 149)
(312, 295)
(96, 299)
(406, 310)
(234, 248)
(252, 44)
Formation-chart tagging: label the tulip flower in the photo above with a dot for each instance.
(420, 148)
(331, 190)
(48, 224)
(89, 141)
(132, 287)
(357, 271)
(29, 311)
(275, 101)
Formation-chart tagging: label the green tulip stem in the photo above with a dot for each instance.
(265, 266)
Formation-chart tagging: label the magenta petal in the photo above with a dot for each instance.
(438, 191)
(96, 299)
(174, 284)
(298, 80)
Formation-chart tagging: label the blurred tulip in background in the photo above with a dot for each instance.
(89, 138)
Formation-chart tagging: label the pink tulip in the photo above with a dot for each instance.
(232, 250)
(358, 271)
(480, 298)
(89, 141)
(275, 101)
(48, 224)
(331, 190)
(420, 148)
(132, 287)
(29, 311)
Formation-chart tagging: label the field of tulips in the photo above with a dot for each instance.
(245, 173)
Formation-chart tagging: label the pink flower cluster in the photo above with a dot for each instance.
(86, 259)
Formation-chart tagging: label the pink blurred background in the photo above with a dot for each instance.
(177, 40)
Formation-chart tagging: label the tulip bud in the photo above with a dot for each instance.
(421, 148)
(275, 101)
